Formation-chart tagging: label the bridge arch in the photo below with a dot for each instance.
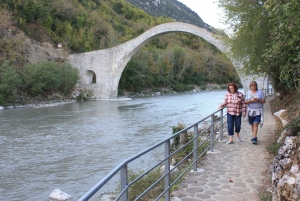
(90, 77)
(108, 64)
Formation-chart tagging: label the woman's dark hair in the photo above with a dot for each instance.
(235, 87)
(253, 83)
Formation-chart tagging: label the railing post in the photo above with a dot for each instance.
(212, 118)
(221, 125)
(124, 182)
(167, 170)
(195, 146)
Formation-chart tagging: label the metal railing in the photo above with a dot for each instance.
(268, 92)
(200, 141)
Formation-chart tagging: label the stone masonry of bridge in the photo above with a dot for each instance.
(107, 65)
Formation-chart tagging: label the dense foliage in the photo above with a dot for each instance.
(34, 80)
(171, 8)
(267, 38)
(82, 25)
(176, 67)
(174, 60)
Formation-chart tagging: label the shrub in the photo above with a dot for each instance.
(273, 147)
(176, 129)
(84, 95)
(9, 82)
(142, 184)
(293, 126)
(265, 196)
(182, 87)
(47, 77)
(120, 92)
(203, 87)
(69, 77)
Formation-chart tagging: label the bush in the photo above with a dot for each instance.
(120, 92)
(182, 87)
(9, 82)
(203, 87)
(141, 185)
(47, 77)
(35, 80)
(84, 96)
(176, 129)
(265, 196)
(273, 147)
(293, 126)
(69, 77)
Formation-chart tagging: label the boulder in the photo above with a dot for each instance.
(286, 171)
(281, 114)
(162, 169)
(59, 195)
(282, 136)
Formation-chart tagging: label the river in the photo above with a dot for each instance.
(73, 146)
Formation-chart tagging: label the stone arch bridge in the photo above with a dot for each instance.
(100, 71)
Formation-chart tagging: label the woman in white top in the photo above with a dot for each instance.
(255, 99)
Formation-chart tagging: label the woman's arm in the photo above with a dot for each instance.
(252, 101)
(262, 101)
(224, 103)
(244, 109)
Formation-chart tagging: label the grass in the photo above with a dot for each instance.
(266, 196)
(141, 185)
(273, 146)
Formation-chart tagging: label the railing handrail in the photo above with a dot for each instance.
(122, 168)
(101, 183)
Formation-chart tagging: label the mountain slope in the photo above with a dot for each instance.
(172, 9)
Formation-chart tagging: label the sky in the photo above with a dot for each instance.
(208, 10)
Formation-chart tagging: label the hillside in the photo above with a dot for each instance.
(172, 9)
(31, 30)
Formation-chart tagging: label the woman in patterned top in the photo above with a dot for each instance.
(255, 99)
(235, 103)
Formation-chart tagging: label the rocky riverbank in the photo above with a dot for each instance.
(37, 105)
(168, 90)
(83, 95)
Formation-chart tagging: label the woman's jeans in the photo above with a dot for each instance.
(234, 121)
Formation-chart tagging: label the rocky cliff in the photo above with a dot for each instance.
(29, 50)
(286, 165)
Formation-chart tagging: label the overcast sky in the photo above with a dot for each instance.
(208, 10)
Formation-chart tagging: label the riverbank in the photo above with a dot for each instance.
(168, 90)
(38, 105)
(72, 144)
(81, 95)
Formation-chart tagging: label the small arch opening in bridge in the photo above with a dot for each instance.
(91, 77)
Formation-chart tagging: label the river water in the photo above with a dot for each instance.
(73, 146)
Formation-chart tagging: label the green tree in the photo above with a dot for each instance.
(46, 78)
(249, 21)
(69, 77)
(10, 81)
(282, 55)
(266, 38)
